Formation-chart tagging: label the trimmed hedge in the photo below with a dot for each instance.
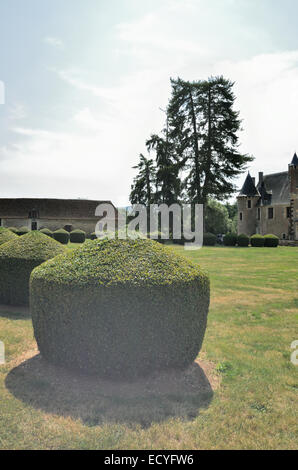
(17, 259)
(209, 239)
(22, 231)
(12, 229)
(242, 240)
(61, 236)
(6, 235)
(119, 308)
(230, 239)
(257, 240)
(77, 236)
(47, 232)
(271, 240)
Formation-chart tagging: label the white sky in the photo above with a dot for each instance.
(84, 80)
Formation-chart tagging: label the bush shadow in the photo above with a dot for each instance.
(14, 312)
(94, 401)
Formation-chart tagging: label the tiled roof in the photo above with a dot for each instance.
(49, 208)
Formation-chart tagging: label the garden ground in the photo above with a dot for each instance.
(241, 393)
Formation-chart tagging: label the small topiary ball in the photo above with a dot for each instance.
(22, 231)
(242, 240)
(209, 239)
(119, 308)
(230, 239)
(17, 259)
(61, 236)
(257, 240)
(77, 236)
(271, 240)
(47, 232)
(6, 235)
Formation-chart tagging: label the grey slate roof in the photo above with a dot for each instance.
(276, 185)
(249, 189)
(295, 159)
(49, 208)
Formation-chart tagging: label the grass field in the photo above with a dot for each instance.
(242, 393)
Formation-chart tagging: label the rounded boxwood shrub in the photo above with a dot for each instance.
(6, 235)
(271, 240)
(242, 240)
(47, 232)
(257, 240)
(230, 239)
(61, 236)
(119, 308)
(17, 259)
(12, 229)
(22, 231)
(77, 236)
(209, 239)
(93, 236)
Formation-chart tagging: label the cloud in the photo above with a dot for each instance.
(17, 111)
(54, 42)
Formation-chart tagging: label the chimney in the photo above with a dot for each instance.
(261, 177)
(254, 181)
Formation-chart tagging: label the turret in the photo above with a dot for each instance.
(247, 205)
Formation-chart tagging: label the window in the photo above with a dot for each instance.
(288, 212)
(0, 222)
(33, 225)
(240, 216)
(284, 236)
(249, 204)
(33, 214)
(270, 213)
(259, 213)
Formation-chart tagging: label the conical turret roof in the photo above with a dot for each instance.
(249, 189)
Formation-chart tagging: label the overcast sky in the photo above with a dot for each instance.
(84, 80)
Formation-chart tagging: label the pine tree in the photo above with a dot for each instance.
(203, 127)
(142, 191)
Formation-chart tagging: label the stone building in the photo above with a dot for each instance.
(271, 205)
(53, 214)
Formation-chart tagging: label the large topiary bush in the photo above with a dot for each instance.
(77, 236)
(119, 308)
(209, 239)
(242, 240)
(257, 240)
(6, 235)
(61, 236)
(230, 239)
(17, 259)
(271, 240)
(47, 231)
(22, 231)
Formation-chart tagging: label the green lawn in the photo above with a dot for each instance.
(242, 393)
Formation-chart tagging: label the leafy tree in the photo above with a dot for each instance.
(216, 217)
(203, 127)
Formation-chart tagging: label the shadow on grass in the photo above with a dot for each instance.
(97, 401)
(14, 312)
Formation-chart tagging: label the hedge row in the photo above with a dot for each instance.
(119, 308)
(231, 239)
